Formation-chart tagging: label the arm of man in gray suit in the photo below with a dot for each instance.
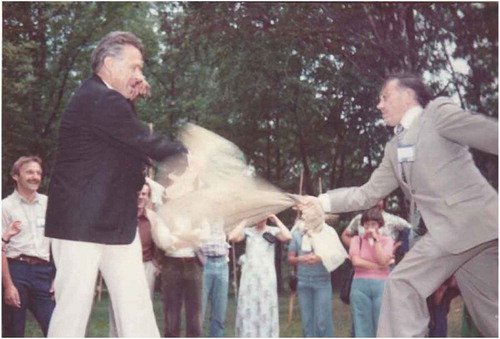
(452, 122)
(381, 183)
(474, 130)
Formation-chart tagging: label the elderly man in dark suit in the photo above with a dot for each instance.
(429, 159)
(92, 207)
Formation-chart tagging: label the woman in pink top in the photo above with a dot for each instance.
(371, 255)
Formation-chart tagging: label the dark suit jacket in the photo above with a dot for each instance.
(101, 154)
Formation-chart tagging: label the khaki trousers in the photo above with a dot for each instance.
(404, 310)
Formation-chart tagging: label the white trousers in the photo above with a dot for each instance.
(77, 265)
(150, 271)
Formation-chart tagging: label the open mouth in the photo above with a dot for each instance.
(136, 83)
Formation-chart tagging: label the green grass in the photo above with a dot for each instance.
(98, 324)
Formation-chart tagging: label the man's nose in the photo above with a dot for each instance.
(380, 105)
(139, 76)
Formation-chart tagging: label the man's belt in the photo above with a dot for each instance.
(216, 256)
(31, 260)
(181, 259)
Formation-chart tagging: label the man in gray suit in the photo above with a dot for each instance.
(429, 159)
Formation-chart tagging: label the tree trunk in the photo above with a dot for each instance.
(410, 34)
(277, 261)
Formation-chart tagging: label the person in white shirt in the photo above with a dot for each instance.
(27, 271)
(182, 276)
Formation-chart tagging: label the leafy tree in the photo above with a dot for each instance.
(46, 55)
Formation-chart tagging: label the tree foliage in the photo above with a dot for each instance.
(294, 85)
(46, 55)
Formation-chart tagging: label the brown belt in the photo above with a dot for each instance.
(181, 259)
(31, 260)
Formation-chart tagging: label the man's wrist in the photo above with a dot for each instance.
(8, 284)
(6, 241)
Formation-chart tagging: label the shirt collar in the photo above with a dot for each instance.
(100, 78)
(21, 198)
(410, 116)
(108, 85)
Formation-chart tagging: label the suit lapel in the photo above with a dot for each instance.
(398, 169)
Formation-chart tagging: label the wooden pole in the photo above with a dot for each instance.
(150, 168)
(235, 274)
(290, 306)
(301, 183)
(99, 286)
(294, 269)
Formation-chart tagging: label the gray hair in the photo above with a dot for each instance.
(111, 46)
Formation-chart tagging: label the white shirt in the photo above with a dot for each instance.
(31, 239)
(183, 225)
(410, 116)
(216, 244)
(107, 85)
(157, 192)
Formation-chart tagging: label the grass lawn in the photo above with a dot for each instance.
(98, 324)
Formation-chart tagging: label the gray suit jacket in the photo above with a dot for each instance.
(456, 202)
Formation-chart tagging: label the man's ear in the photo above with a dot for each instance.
(15, 177)
(108, 64)
(410, 95)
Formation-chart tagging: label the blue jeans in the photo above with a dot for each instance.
(33, 284)
(215, 287)
(440, 315)
(315, 300)
(366, 297)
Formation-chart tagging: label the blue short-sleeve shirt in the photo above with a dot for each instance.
(304, 270)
